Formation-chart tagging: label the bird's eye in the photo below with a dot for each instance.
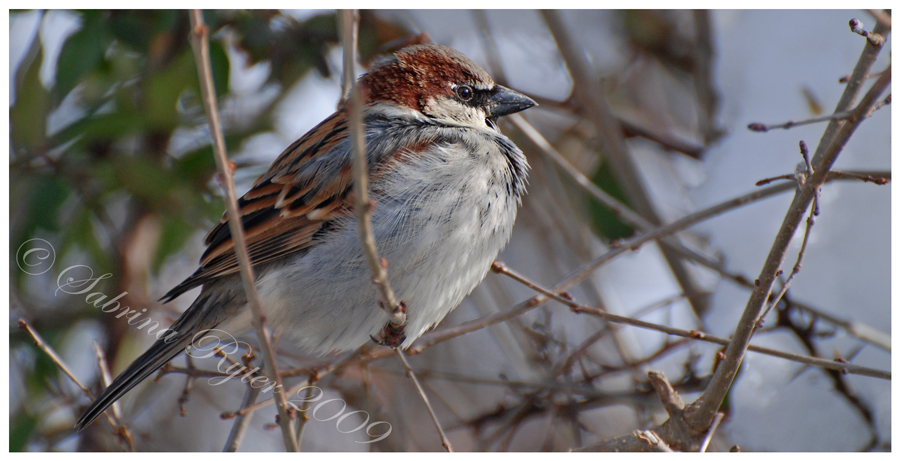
(464, 92)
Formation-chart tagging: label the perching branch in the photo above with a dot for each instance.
(363, 210)
(199, 42)
(361, 203)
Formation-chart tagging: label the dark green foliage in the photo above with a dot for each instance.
(609, 224)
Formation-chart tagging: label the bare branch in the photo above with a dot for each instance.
(242, 421)
(565, 299)
(107, 377)
(762, 128)
(113, 420)
(361, 203)
(612, 143)
(712, 430)
(831, 144)
(200, 44)
(412, 375)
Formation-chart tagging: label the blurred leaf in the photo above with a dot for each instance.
(28, 117)
(199, 165)
(82, 53)
(175, 233)
(46, 197)
(218, 59)
(145, 179)
(608, 223)
(108, 126)
(81, 234)
(165, 87)
(20, 430)
(812, 101)
(291, 48)
(136, 29)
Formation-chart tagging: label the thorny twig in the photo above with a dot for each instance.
(242, 420)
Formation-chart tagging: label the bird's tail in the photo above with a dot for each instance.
(157, 356)
(206, 312)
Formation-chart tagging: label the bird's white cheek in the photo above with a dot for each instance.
(451, 112)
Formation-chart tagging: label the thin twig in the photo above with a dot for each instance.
(242, 420)
(762, 127)
(361, 203)
(113, 420)
(107, 377)
(596, 109)
(810, 220)
(43, 346)
(694, 334)
(302, 417)
(879, 178)
(350, 35)
(490, 46)
(200, 44)
(412, 375)
(831, 144)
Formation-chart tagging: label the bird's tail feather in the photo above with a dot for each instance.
(207, 311)
(157, 356)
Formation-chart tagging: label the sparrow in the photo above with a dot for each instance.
(446, 186)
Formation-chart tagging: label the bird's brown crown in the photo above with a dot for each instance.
(418, 73)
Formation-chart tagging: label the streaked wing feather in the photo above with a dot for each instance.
(284, 209)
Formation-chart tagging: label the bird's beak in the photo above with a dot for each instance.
(505, 101)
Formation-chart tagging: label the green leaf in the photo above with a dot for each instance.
(20, 430)
(163, 88)
(607, 222)
(82, 53)
(28, 116)
(175, 234)
(46, 195)
(219, 62)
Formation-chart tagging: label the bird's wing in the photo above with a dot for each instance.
(305, 188)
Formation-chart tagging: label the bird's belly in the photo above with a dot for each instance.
(438, 246)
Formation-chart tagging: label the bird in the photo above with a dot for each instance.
(445, 184)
